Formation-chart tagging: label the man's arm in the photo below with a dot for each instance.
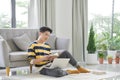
(45, 58)
(34, 61)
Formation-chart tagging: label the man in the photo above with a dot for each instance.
(39, 54)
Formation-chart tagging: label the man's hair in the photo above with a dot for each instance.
(44, 28)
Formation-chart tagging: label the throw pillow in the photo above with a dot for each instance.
(51, 41)
(8, 47)
(22, 41)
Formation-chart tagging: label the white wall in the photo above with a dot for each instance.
(64, 19)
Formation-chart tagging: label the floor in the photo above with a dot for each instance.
(103, 67)
(106, 67)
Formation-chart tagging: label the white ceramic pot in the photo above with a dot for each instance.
(92, 58)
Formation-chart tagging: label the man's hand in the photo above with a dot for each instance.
(52, 57)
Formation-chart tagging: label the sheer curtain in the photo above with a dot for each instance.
(42, 13)
(79, 27)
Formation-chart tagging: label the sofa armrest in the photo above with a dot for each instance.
(62, 43)
(4, 56)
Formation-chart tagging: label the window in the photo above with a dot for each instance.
(5, 14)
(22, 13)
(15, 14)
(105, 16)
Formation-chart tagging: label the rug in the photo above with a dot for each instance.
(81, 76)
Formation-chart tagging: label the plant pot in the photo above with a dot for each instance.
(117, 60)
(101, 60)
(110, 60)
(91, 59)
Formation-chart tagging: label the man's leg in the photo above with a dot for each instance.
(66, 54)
(73, 62)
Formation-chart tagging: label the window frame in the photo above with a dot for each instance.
(13, 14)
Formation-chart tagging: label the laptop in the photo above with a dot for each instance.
(59, 62)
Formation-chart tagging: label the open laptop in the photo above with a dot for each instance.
(59, 62)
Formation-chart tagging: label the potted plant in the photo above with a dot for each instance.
(103, 49)
(110, 59)
(102, 44)
(91, 48)
(117, 58)
(101, 57)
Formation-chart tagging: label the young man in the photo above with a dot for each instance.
(39, 54)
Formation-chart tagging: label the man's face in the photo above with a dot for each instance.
(44, 35)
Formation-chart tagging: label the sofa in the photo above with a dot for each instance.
(14, 44)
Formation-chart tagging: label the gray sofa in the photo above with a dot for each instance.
(12, 55)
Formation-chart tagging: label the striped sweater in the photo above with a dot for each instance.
(37, 51)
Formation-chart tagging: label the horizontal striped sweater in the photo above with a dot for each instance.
(37, 50)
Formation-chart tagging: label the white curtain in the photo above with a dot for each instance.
(79, 27)
(42, 13)
(33, 15)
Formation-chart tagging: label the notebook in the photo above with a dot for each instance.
(59, 62)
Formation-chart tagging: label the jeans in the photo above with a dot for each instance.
(66, 54)
(58, 72)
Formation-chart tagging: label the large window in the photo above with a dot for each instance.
(15, 14)
(5, 14)
(105, 15)
(22, 13)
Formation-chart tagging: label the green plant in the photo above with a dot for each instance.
(114, 43)
(91, 47)
(102, 46)
(109, 56)
(101, 54)
(101, 41)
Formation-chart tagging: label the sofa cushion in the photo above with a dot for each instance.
(8, 47)
(22, 55)
(22, 41)
(18, 56)
(51, 41)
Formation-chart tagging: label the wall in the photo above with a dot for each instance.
(64, 19)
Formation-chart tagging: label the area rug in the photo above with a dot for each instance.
(81, 76)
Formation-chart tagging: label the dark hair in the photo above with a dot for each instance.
(43, 29)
